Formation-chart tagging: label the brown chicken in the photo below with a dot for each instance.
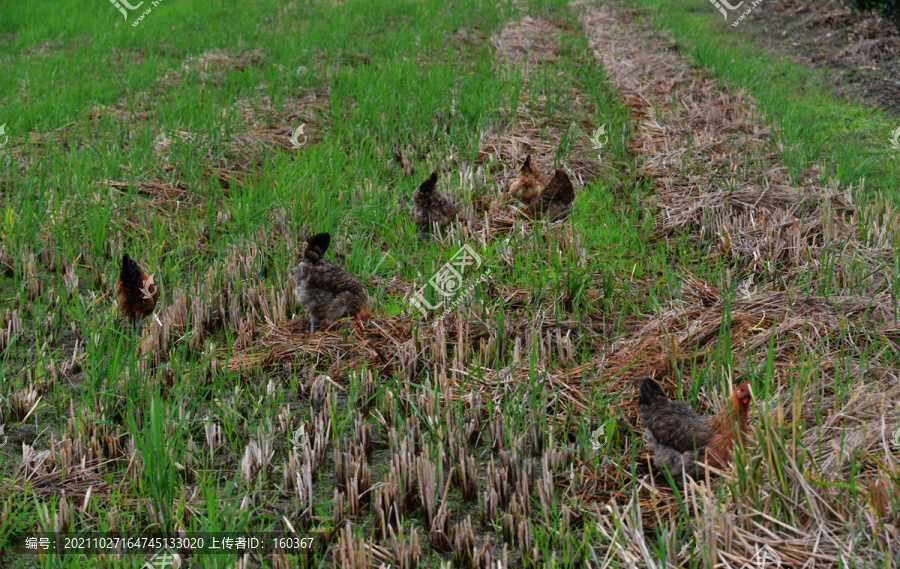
(136, 292)
(327, 291)
(430, 206)
(555, 200)
(529, 183)
(679, 436)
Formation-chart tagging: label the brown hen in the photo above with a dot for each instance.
(529, 182)
(136, 292)
(555, 200)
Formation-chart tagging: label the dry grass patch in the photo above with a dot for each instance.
(211, 66)
(719, 179)
(527, 41)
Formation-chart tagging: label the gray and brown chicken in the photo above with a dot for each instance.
(679, 436)
(555, 200)
(529, 182)
(431, 206)
(327, 291)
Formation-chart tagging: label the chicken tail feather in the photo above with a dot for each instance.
(527, 166)
(317, 244)
(651, 392)
(130, 272)
(430, 184)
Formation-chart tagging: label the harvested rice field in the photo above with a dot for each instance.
(398, 284)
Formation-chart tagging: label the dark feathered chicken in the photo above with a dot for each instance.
(529, 182)
(431, 206)
(555, 200)
(136, 292)
(327, 291)
(679, 436)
